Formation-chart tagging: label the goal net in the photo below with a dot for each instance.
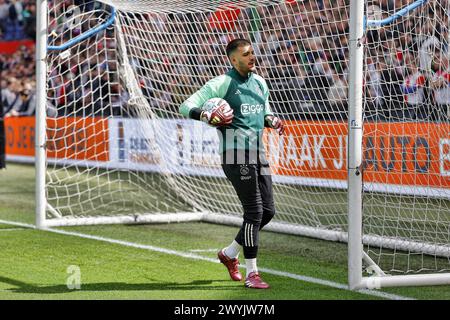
(118, 151)
(406, 197)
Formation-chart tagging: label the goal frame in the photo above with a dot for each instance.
(41, 97)
(356, 281)
(354, 237)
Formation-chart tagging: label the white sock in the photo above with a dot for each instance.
(251, 266)
(232, 251)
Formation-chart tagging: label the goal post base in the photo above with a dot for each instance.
(280, 227)
(378, 282)
(126, 219)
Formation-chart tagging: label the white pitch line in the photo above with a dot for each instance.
(204, 250)
(17, 224)
(11, 229)
(199, 257)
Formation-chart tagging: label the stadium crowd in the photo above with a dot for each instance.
(18, 82)
(17, 70)
(302, 52)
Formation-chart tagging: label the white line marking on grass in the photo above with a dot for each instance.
(11, 229)
(199, 257)
(204, 250)
(17, 224)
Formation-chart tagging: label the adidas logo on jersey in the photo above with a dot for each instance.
(237, 92)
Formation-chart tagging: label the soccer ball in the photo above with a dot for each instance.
(220, 112)
(213, 103)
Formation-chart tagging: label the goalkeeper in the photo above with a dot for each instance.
(242, 150)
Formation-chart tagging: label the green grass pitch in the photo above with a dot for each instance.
(36, 264)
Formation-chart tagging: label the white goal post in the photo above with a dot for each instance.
(356, 254)
(361, 87)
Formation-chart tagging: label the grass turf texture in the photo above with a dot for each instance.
(34, 263)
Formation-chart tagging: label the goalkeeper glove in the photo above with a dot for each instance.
(275, 123)
(220, 116)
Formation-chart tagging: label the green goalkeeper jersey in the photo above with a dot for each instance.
(249, 99)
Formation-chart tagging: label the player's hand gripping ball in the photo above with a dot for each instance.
(217, 112)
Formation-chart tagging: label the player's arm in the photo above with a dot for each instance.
(270, 120)
(192, 107)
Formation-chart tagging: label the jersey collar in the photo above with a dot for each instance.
(239, 76)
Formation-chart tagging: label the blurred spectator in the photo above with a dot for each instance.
(11, 96)
(25, 102)
(391, 79)
(4, 13)
(413, 86)
(441, 86)
(373, 92)
(29, 18)
(18, 82)
(17, 19)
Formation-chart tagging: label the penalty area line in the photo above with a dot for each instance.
(194, 256)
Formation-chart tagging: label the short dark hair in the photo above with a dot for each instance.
(234, 44)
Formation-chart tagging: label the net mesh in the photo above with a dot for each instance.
(406, 135)
(117, 144)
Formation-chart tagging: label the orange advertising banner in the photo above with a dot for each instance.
(414, 154)
(67, 138)
(19, 136)
(394, 154)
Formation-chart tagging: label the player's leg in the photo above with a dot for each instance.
(229, 255)
(266, 190)
(244, 179)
